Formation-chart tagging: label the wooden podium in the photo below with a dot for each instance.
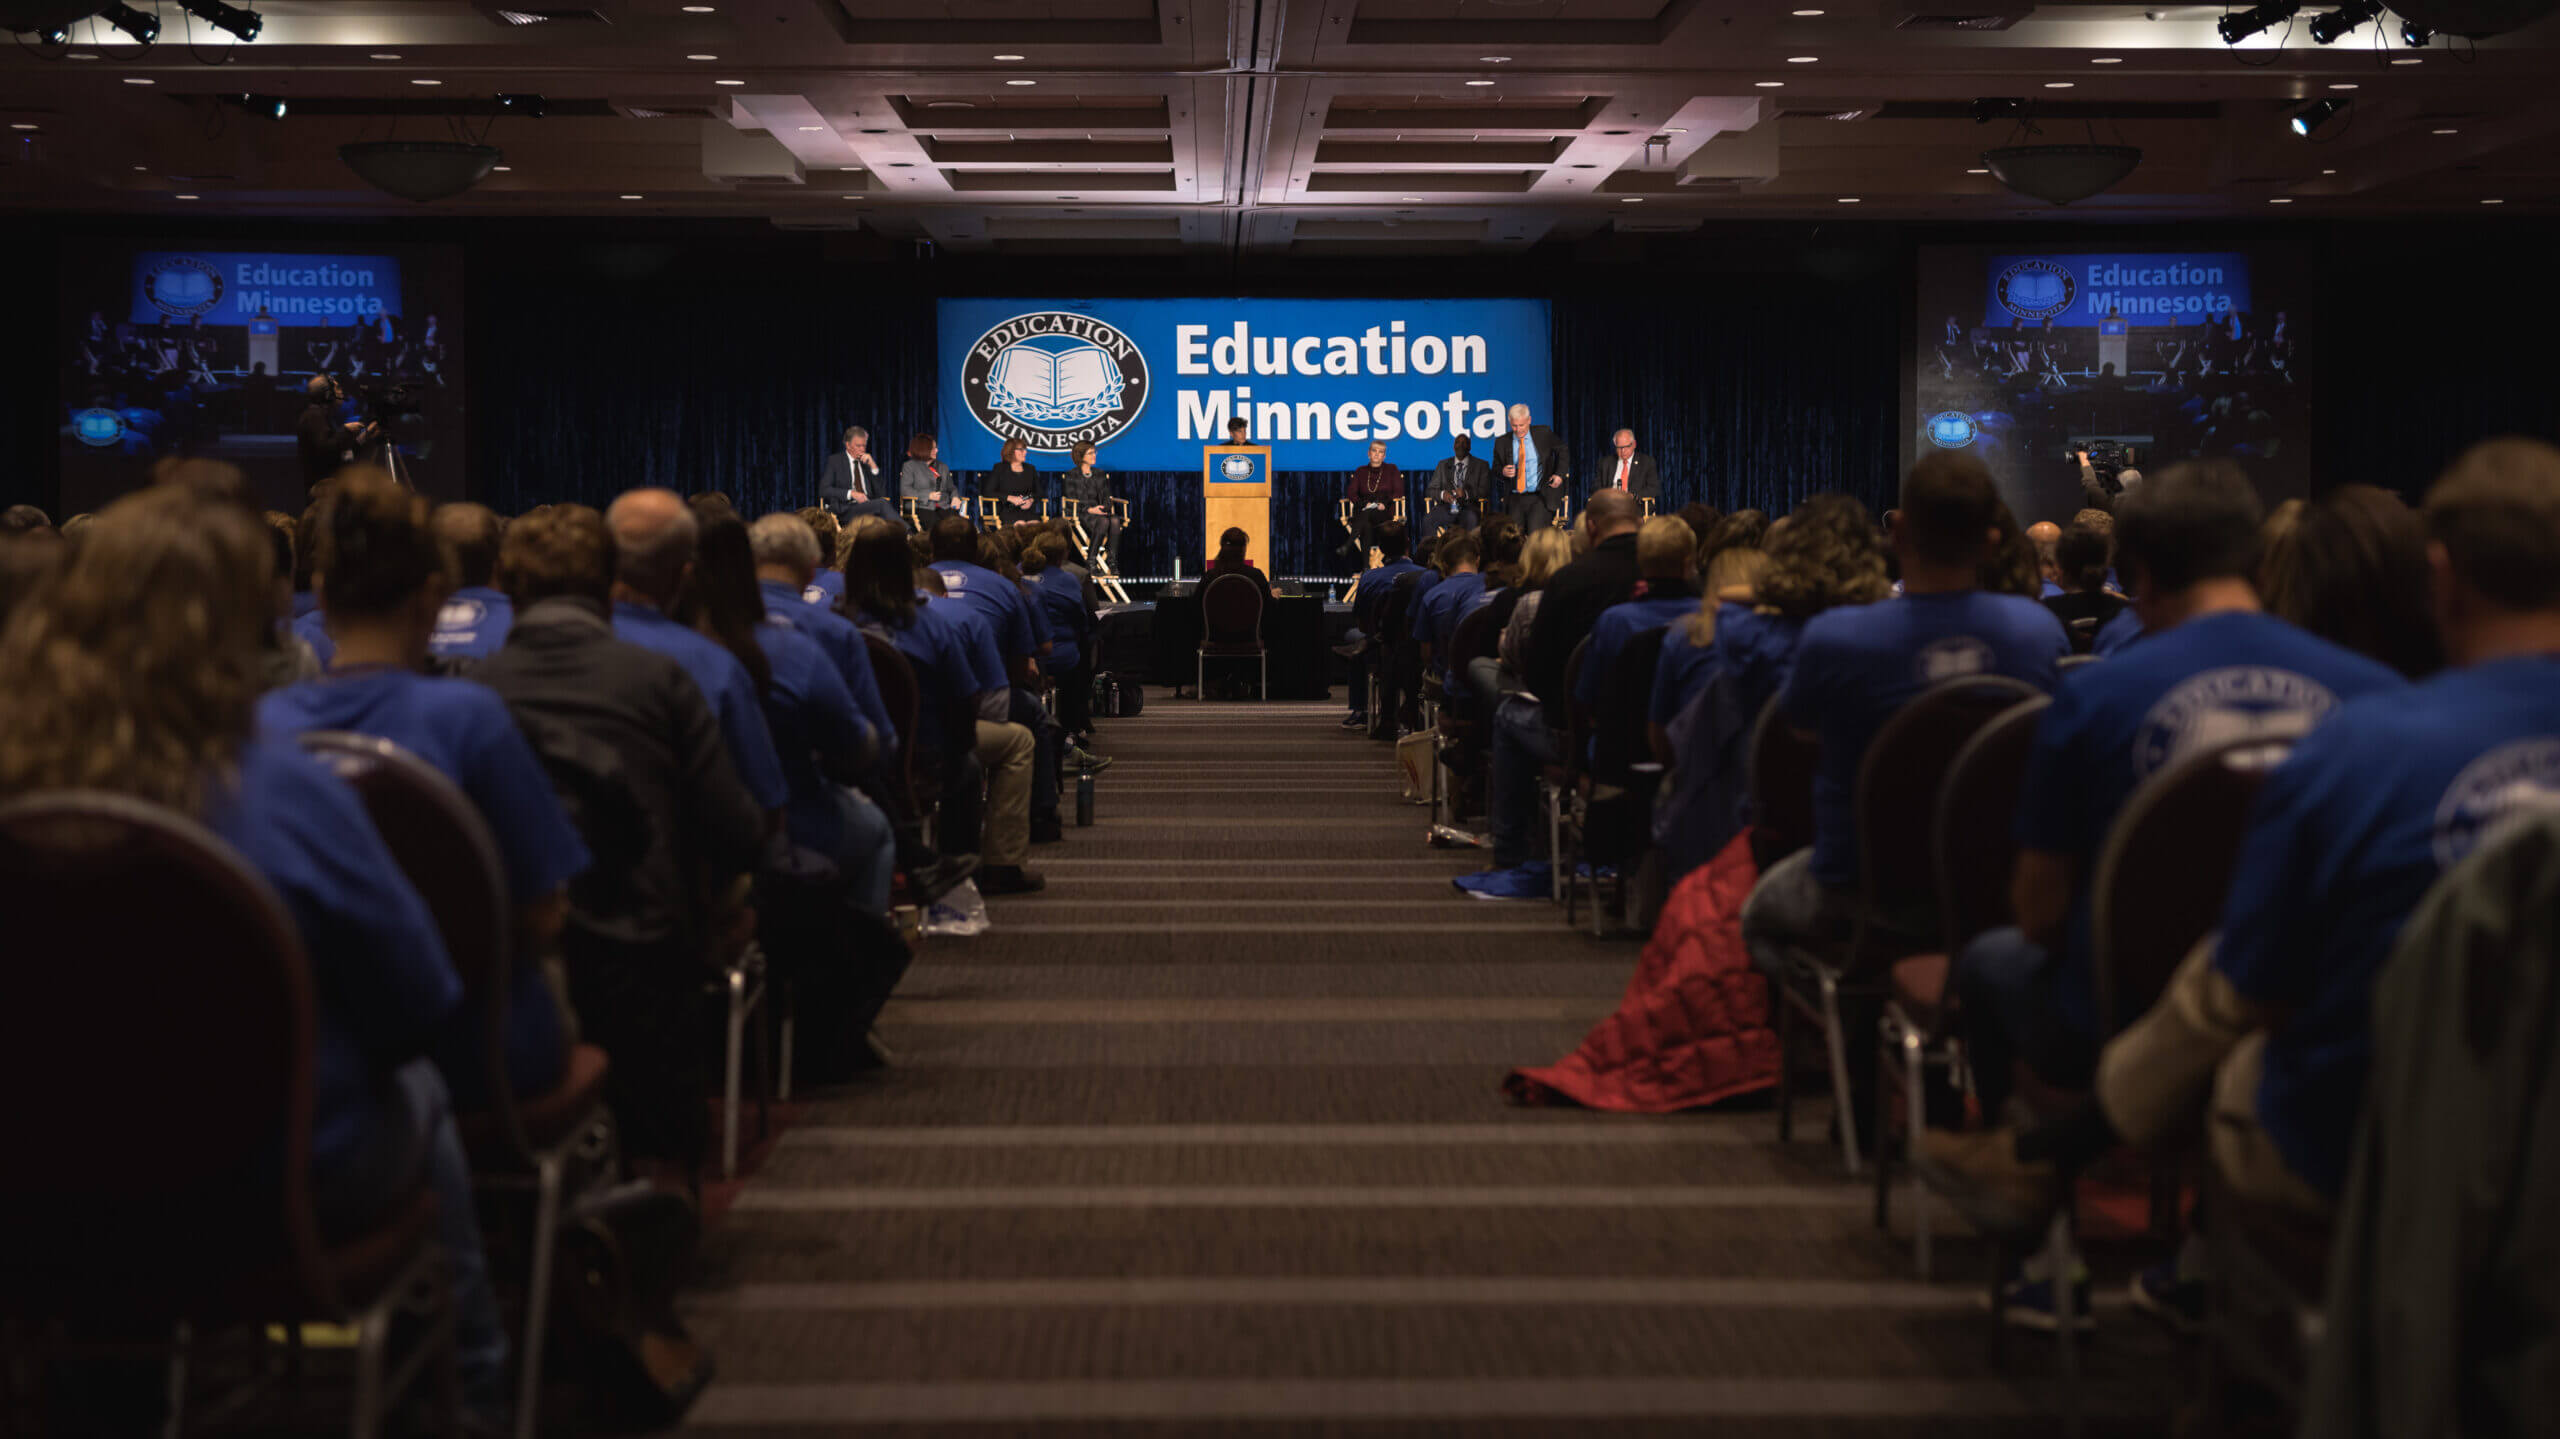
(1235, 491)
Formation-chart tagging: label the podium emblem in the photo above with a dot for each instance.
(1235, 467)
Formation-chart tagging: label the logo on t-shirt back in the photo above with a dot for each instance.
(954, 581)
(1952, 658)
(813, 595)
(2515, 781)
(460, 619)
(2239, 702)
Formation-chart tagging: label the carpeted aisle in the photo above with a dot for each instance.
(1209, 1139)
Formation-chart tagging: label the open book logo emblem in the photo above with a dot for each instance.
(1236, 467)
(1055, 379)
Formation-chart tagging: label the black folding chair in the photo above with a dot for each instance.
(1231, 628)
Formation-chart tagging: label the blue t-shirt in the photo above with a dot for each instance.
(1370, 590)
(474, 622)
(1435, 619)
(2117, 633)
(467, 735)
(997, 600)
(305, 602)
(955, 661)
(1618, 624)
(2344, 841)
(826, 589)
(1856, 665)
(1060, 598)
(313, 628)
(2220, 677)
(381, 983)
(843, 646)
(725, 685)
(810, 713)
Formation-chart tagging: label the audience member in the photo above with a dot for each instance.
(1368, 594)
(654, 534)
(1854, 667)
(1060, 595)
(2046, 536)
(26, 567)
(474, 621)
(998, 602)
(2080, 599)
(138, 674)
(2353, 569)
(1231, 559)
(824, 577)
(20, 519)
(1666, 592)
(630, 739)
(1435, 617)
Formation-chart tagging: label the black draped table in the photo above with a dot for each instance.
(1159, 642)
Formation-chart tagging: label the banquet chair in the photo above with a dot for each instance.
(1231, 628)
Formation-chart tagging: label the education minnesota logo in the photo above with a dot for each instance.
(1951, 429)
(2035, 289)
(2217, 707)
(1055, 379)
(2512, 782)
(183, 286)
(1952, 658)
(1236, 467)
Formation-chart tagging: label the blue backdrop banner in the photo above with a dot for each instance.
(2078, 291)
(1149, 382)
(231, 289)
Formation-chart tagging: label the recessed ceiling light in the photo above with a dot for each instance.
(2281, 200)
(1479, 83)
(1802, 59)
(140, 80)
(502, 169)
(142, 167)
(1412, 199)
(1631, 200)
(1808, 14)
(2057, 84)
(2343, 85)
(702, 57)
(1493, 59)
(2407, 60)
(2328, 172)
(185, 197)
(2106, 59)
(426, 82)
(1768, 84)
(21, 125)
(697, 9)
(2447, 130)
(2493, 202)
(1008, 57)
(382, 57)
(1977, 172)
(728, 82)
(631, 197)
(1022, 82)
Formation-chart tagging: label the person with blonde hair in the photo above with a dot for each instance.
(138, 673)
(1666, 593)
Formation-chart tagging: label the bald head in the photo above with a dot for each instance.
(653, 537)
(2044, 532)
(1612, 512)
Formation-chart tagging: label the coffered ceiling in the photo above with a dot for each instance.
(1274, 125)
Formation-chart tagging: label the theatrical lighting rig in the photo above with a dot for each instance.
(239, 24)
(143, 28)
(2255, 20)
(532, 107)
(2316, 114)
(271, 107)
(2327, 29)
(2415, 35)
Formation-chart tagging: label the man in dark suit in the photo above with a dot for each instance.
(1629, 471)
(851, 485)
(1458, 488)
(1530, 468)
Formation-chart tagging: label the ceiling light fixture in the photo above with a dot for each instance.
(1977, 172)
(2255, 20)
(2493, 202)
(502, 169)
(426, 82)
(1413, 199)
(270, 106)
(2057, 84)
(2416, 36)
(143, 28)
(728, 82)
(1631, 200)
(1008, 57)
(2328, 172)
(1493, 59)
(2060, 174)
(1768, 84)
(1802, 59)
(1478, 84)
(2281, 200)
(697, 9)
(231, 20)
(806, 129)
(23, 125)
(2447, 130)
(1848, 199)
(140, 80)
(2343, 85)
(2316, 114)
(183, 197)
(631, 197)
(2106, 59)
(382, 57)
(702, 57)
(1804, 14)
(420, 170)
(2330, 28)
(530, 106)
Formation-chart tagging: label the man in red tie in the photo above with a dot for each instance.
(1630, 471)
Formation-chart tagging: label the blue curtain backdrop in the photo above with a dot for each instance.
(593, 379)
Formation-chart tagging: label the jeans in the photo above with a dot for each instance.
(868, 856)
(2003, 982)
(1789, 909)
(352, 1193)
(1522, 747)
(1047, 739)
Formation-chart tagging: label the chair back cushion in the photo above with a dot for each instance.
(2165, 869)
(441, 843)
(1977, 830)
(1898, 783)
(1618, 738)
(1475, 636)
(1231, 610)
(1783, 761)
(157, 1039)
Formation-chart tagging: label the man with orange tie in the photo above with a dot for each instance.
(1630, 471)
(1530, 465)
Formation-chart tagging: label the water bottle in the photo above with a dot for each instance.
(1084, 799)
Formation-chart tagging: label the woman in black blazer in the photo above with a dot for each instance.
(1085, 494)
(1015, 486)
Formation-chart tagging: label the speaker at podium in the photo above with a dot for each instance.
(1235, 493)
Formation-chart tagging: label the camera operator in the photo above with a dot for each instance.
(324, 442)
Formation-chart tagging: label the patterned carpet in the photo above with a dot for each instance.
(1208, 1139)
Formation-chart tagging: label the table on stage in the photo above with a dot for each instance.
(1299, 630)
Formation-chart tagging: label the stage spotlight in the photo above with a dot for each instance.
(2257, 18)
(2415, 35)
(230, 19)
(532, 107)
(270, 107)
(53, 35)
(2326, 29)
(2316, 114)
(143, 28)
